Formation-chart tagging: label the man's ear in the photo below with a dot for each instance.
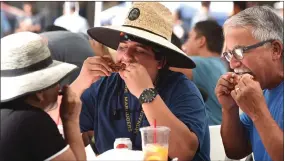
(277, 50)
(201, 41)
(161, 63)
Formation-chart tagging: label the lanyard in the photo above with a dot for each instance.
(128, 118)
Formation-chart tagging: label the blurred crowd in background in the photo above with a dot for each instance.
(79, 16)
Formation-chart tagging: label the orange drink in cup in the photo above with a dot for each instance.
(155, 152)
(155, 143)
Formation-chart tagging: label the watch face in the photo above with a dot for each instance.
(148, 95)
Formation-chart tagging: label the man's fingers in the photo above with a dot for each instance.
(221, 89)
(247, 79)
(107, 57)
(99, 61)
(234, 94)
(233, 77)
(99, 67)
(227, 77)
(241, 85)
(225, 83)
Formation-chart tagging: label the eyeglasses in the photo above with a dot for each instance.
(239, 51)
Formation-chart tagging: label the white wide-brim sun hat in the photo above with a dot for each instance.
(27, 66)
(151, 22)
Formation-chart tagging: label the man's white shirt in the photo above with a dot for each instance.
(73, 22)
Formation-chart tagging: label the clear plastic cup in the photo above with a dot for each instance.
(155, 143)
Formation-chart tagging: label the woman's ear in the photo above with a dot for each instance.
(40, 96)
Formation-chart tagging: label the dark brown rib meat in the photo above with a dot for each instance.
(118, 66)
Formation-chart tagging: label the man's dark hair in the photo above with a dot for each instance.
(179, 14)
(29, 3)
(33, 5)
(206, 4)
(72, 6)
(213, 33)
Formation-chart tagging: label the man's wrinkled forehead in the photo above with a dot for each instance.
(237, 37)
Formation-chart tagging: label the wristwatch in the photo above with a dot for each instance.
(148, 95)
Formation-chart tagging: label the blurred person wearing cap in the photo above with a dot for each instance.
(29, 88)
(54, 28)
(117, 104)
(204, 46)
(68, 47)
(71, 20)
(254, 49)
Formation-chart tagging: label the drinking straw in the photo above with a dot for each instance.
(154, 132)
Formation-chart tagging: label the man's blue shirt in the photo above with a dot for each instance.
(106, 96)
(205, 76)
(275, 102)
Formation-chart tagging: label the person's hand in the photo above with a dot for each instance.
(249, 96)
(224, 86)
(136, 78)
(94, 68)
(70, 106)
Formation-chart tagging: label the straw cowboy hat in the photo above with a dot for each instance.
(27, 66)
(151, 22)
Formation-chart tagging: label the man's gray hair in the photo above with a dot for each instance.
(263, 21)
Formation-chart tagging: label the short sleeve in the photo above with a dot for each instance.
(188, 106)
(88, 110)
(42, 137)
(210, 68)
(198, 72)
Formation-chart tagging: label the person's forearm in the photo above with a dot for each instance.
(271, 135)
(73, 137)
(233, 134)
(182, 142)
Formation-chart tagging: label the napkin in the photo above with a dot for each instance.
(121, 154)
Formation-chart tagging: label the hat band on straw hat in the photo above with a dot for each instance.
(145, 30)
(21, 71)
